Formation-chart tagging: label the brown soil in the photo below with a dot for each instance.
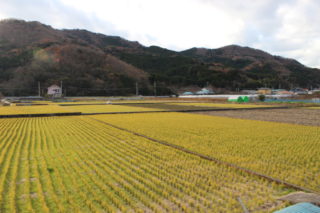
(165, 106)
(298, 197)
(309, 117)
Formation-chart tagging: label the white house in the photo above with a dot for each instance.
(54, 91)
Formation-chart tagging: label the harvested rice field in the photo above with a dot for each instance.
(302, 116)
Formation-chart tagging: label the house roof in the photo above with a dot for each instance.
(54, 86)
(188, 93)
(203, 91)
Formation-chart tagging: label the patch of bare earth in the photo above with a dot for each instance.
(309, 117)
(268, 207)
(298, 197)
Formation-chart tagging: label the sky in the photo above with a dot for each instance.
(289, 28)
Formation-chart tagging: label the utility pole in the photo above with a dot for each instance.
(137, 89)
(61, 87)
(155, 88)
(39, 89)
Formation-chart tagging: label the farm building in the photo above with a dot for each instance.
(315, 91)
(54, 91)
(282, 92)
(204, 91)
(300, 91)
(265, 91)
(249, 92)
(187, 93)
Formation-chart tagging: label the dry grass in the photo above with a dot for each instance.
(300, 116)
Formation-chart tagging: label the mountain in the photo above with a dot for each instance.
(95, 64)
(31, 52)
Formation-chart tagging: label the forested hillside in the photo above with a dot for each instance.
(95, 64)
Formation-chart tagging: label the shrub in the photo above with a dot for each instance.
(262, 97)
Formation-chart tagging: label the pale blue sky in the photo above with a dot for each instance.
(289, 28)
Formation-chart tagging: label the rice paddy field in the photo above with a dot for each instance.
(285, 151)
(103, 107)
(113, 162)
(107, 108)
(12, 110)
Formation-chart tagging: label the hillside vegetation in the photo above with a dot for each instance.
(95, 64)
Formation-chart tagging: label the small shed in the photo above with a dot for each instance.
(54, 91)
(300, 208)
(265, 91)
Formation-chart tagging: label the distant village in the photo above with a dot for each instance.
(260, 91)
(56, 92)
(253, 95)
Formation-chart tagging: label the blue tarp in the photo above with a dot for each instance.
(300, 208)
